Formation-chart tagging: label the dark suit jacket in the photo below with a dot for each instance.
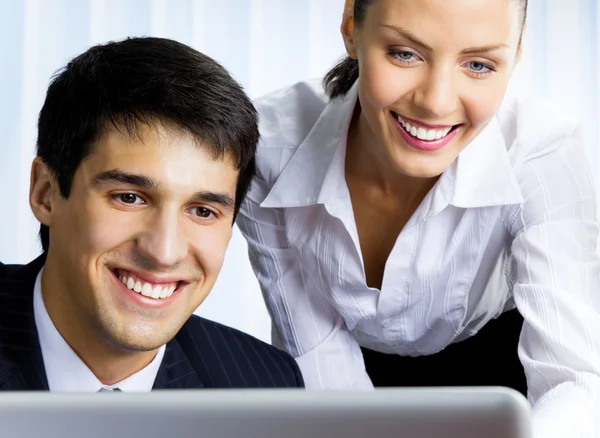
(203, 354)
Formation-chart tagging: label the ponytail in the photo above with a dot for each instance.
(339, 79)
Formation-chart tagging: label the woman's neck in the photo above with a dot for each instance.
(366, 161)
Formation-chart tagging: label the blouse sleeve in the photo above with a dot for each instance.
(306, 323)
(556, 276)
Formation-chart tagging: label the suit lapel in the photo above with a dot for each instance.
(176, 370)
(21, 362)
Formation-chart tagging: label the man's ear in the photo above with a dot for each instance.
(43, 190)
(347, 28)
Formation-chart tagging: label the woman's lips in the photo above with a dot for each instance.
(418, 137)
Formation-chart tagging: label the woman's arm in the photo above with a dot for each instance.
(307, 325)
(556, 275)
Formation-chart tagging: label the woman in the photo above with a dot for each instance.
(407, 227)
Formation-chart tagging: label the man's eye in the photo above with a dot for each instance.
(128, 199)
(203, 212)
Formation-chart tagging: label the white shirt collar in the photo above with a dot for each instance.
(65, 371)
(481, 176)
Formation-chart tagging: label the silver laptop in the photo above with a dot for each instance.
(275, 413)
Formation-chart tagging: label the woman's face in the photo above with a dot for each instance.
(432, 75)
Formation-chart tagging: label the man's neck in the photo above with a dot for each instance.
(113, 368)
(109, 363)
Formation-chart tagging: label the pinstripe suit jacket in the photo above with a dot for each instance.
(203, 354)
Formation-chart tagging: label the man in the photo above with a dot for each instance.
(145, 152)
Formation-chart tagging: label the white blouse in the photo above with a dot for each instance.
(512, 222)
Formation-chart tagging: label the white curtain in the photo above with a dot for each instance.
(265, 44)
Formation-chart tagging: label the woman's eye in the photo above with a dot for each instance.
(405, 56)
(479, 67)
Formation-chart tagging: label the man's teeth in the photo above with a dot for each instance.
(147, 289)
(422, 133)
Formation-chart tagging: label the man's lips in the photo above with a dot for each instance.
(149, 285)
(149, 277)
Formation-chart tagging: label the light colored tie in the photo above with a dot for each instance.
(103, 389)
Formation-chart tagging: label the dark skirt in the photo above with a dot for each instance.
(488, 358)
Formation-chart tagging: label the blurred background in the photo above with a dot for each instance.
(266, 45)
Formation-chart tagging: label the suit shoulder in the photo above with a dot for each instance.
(255, 362)
(201, 326)
(14, 272)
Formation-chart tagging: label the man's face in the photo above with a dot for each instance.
(139, 242)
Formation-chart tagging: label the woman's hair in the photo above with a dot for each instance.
(338, 81)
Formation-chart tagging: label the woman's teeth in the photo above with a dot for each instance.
(422, 133)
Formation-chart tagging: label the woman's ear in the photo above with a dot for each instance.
(520, 50)
(347, 28)
(42, 191)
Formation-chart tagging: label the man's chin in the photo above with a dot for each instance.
(134, 343)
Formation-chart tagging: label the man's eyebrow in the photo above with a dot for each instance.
(121, 177)
(223, 199)
(469, 51)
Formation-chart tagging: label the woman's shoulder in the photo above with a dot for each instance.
(533, 127)
(295, 109)
(286, 117)
(547, 154)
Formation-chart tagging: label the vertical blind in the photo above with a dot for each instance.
(265, 44)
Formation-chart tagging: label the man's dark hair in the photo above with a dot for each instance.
(137, 82)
